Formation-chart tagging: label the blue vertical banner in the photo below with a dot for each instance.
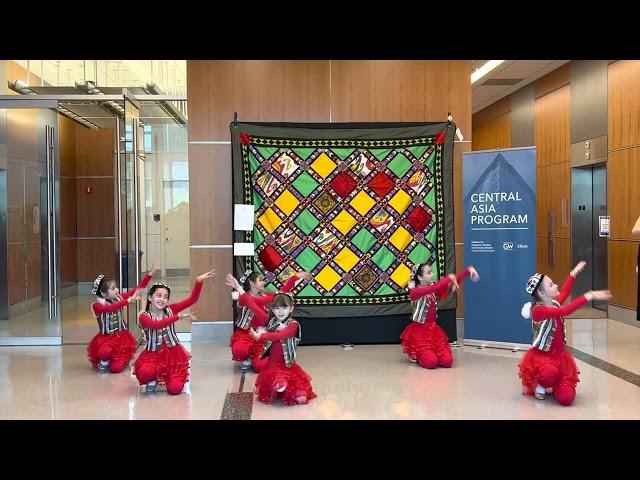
(500, 242)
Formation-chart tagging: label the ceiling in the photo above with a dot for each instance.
(94, 112)
(169, 75)
(505, 79)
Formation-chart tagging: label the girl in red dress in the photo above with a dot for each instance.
(424, 341)
(282, 377)
(113, 346)
(253, 314)
(164, 359)
(548, 365)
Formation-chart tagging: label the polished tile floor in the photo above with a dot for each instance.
(368, 382)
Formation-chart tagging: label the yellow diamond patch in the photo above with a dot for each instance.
(323, 165)
(346, 259)
(400, 201)
(287, 202)
(344, 221)
(362, 203)
(401, 275)
(327, 277)
(400, 238)
(270, 220)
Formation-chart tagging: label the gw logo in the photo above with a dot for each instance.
(508, 246)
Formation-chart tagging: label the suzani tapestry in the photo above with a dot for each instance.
(356, 205)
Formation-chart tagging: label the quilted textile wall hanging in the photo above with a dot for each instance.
(356, 205)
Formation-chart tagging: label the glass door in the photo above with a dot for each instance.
(30, 280)
(133, 257)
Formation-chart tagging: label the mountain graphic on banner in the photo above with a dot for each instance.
(500, 176)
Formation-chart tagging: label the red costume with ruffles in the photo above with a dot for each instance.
(548, 363)
(254, 314)
(114, 342)
(282, 376)
(164, 359)
(423, 340)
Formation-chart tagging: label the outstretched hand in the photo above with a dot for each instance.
(188, 317)
(578, 268)
(599, 295)
(154, 266)
(134, 298)
(255, 335)
(454, 282)
(231, 281)
(473, 274)
(206, 275)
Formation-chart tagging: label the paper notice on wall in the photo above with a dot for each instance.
(243, 250)
(243, 217)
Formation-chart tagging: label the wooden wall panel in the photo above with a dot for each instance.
(210, 193)
(68, 207)
(624, 104)
(623, 281)
(305, 91)
(215, 301)
(292, 91)
(69, 260)
(412, 78)
(438, 82)
(94, 151)
(492, 112)
(552, 81)
(95, 210)
(366, 91)
(562, 266)
(552, 127)
(15, 202)
(68, 201)
(96, 256)
(623, 177)
(623, 191)
(494, 133)
(353, 91)
(554, 185)
(15, 272)
(34, 269)
(460, 97)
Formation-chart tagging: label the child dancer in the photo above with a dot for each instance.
(423, 340)
(282, 376)
(548, 364)
(165, 360)
(253, 314)
(113, 346)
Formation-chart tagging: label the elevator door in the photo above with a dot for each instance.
(589, 202)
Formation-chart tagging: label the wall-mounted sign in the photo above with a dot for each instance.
(603, 222)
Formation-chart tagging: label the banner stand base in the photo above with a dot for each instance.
(514, 347)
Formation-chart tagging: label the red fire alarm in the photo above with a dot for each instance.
(88, 189)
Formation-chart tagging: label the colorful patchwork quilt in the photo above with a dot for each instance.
(356, 206)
